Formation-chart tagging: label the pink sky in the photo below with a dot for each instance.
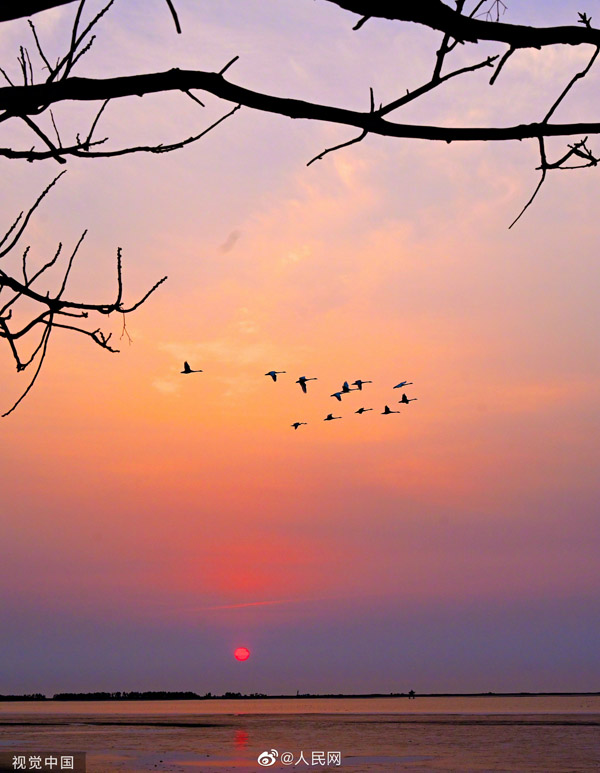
(153, 522)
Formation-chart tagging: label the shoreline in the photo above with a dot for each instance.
(89, 698)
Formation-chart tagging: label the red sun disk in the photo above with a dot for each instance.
(242, 653)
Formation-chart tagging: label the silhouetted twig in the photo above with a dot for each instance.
(49, 310)
(174, 15)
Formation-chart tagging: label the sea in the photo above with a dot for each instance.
(537, 734)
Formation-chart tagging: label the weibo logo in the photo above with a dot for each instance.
(266, 759)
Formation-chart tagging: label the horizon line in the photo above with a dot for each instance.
(33, 697)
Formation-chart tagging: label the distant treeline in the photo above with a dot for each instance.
(127, 696)
(148, 696)
(33, 697)
(183, 696)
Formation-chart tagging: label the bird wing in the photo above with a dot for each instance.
(303, 386)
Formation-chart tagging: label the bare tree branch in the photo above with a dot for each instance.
(20, 9)
(17, 236)
(19, 100)
(360, 23)
(73, 46)
(337, 147)
(39, 47)
(174, 15)
(76, 39)
(544, 169)
(501, 64)
(436, 15)
(571, 83)
(44, 348)
(50, 307)
(82, 149)
(435, 81)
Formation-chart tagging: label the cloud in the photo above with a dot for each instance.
(221, 350)
(256, 604)
(166, 386)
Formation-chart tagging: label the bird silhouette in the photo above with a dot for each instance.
(346, 388)
(274, 374)
(359, 382)
(337, 395)
(406, 400)
(388, 411)
(302, 381)
(331, 417)
(362, 410)
(402, 384)
(187, 369)
(297, 424)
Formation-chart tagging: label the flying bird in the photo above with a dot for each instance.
(297, 424)
(346, 388)
(359, 382)
(331, 417)
(274, 374)
(402, 384)
(406, 400)
(187, 369)
(388, 411)
(337, 395)
(362, 410)
(302, 381)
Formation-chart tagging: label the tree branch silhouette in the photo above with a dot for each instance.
(28, 312)
(25, 102)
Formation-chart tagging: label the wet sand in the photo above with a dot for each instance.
(133, 741)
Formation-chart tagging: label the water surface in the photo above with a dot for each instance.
(497, 734)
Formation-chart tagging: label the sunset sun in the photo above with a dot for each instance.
(242, 653)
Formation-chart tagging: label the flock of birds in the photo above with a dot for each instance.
(356, 386)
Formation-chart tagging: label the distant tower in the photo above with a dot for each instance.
(411, 694)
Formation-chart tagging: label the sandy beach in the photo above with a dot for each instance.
(226, 736)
